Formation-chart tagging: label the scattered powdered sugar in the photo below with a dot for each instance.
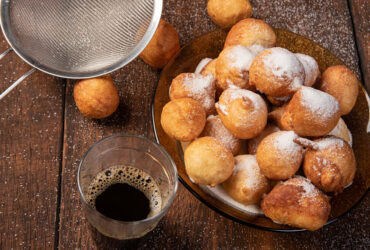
(311, 68)
(284, 65)
(202, 64)
(330, 141)
(202, 88)
(240, 57)
(283, 141)
(319, 102)
(256, 48)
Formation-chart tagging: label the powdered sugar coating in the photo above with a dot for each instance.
(283, 141)
(308, 189)
(249, 165)
(202, 64)
(311, 68)
(256, 48)
(330, 142)
(240, 57)
(215, 128)
(319, 102)
(200, 88)
(231, 94)
(283, 64)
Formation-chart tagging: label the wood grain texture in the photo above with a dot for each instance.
(31, 120)
(189, 224)
(360, 10)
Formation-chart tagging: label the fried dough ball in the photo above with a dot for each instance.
(232, 67)
(254, 142)
(227, 13)
(281, 118)
(183, 119)
(164, 45)
(208, 162)
(247, 184)
(311, 69)
(298, 203)
(342, 131)
(196, 86)
(243, 112)
(251, 31)
(276, 72)
(342, 83)
(210, 68)
(278, 156)
(332, 166)
(96, 97)
(215, 128)
(312, 112)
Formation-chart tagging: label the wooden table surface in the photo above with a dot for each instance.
(43, 136)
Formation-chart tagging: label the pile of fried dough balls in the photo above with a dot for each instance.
(98, 97)
(289, 116)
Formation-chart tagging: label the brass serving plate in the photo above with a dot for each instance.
(210, 45)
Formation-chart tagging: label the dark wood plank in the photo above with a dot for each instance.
(189, 224)
(360, 10)
(31, 123)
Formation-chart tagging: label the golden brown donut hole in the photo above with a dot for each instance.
(96, 97)
(163, 46)
(183, 119)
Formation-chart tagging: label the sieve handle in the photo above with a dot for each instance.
(18, 81)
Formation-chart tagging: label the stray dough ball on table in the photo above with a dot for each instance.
(227, 13)
(298, 203)
(311, 69)
(96, 97)
(216, 129)
(208, 162)
(313, 112)
(278, 156)
(254, 142)
(232, 67)
(243, 112)
(163, 46)
(183, 119)
(332, 166)
(196, 86)
(342, 83)
(249, 32)
(247, 184)
(276, 72)
(342, 131)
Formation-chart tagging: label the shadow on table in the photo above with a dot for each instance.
(104, 242)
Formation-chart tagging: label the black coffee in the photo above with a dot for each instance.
(125, 194)
(123, 202)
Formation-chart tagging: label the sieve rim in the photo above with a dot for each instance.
(149, 33)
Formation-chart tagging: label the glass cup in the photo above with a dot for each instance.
(134, 151)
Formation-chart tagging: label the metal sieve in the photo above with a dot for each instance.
(78, 38)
